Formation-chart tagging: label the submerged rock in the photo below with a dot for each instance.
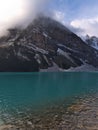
(81, 115)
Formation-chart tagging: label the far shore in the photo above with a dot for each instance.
(82, 68)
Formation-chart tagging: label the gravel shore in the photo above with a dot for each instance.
(81, 115)
(82, 68)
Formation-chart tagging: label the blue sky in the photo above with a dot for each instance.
(76, 8)
(81, 15)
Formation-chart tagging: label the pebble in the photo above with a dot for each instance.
(81, 116)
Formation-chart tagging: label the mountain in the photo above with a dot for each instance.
(92, 41)
(43, 44)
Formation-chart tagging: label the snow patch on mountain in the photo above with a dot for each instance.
(92, 41)
(61, 52)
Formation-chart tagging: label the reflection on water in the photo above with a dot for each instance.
(23, 92)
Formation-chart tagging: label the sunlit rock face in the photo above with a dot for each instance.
(43, 44)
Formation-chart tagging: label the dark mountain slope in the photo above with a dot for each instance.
(41, 44)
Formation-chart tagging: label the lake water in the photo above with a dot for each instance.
(25, 90)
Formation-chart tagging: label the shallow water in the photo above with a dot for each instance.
(35, 90)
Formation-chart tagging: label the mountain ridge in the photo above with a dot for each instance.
(40, 45)
(92, 41)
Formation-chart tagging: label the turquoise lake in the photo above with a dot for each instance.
(19, 90)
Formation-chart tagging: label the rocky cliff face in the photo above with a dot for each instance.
(92, 41)
(40, 45)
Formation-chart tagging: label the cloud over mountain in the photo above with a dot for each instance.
(86, 26)
(19, 12)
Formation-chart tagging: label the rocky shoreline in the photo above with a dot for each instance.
(82, 115)
(82, 68)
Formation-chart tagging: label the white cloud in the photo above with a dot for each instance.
(22, 12)
(18, 12)
(11, 11)
(59, 16)
(81, 27)
(87, 26)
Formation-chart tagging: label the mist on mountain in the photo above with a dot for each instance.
(19, 13)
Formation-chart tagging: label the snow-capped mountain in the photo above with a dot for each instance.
(43, 44)
(92, 41)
